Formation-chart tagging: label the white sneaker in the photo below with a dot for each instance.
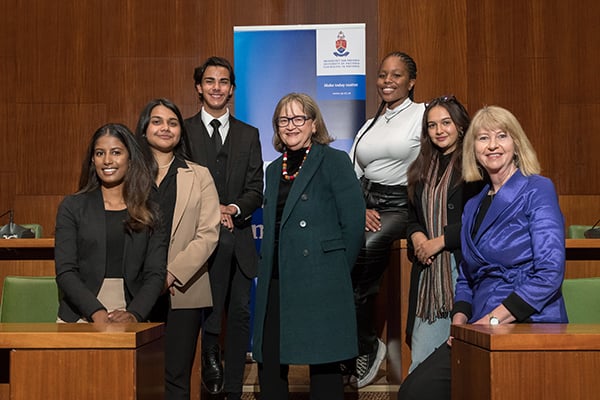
(368, 365)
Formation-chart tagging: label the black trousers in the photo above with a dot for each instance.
(231, 295)
(325, 379)
(368, 270)
(183, 327)
(431, 379)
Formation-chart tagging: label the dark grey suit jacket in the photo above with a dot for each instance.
(244, 179)
(80, 258)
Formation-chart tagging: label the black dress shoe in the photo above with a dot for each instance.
(212, 370)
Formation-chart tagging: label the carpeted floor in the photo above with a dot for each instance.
(381, 389)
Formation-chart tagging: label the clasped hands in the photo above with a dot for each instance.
(115, 316)
(227, 214)
(426, 249)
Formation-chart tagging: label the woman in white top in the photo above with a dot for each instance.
(383, 150)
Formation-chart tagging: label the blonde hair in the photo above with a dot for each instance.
(497, 118)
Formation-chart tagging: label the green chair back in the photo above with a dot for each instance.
(576, 231)
(29, 299)
(36, 228)
(582, 299)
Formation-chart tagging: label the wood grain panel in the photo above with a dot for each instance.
(143, 79)
(546, 383)
(51, 140)
(21, 335)
(8, 24)
(155, 28)
(7, 83)
(8, 137)
(579, 209)
(7, 193)
(58, 54)
(525, 361)
(85, 376)
(39, 210)
(473, 383)
(576, 150)
(434, 33)
(578, 62)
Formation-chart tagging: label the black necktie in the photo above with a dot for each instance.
(216, 136)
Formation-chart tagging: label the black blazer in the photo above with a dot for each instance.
(80, 259)
(244, 180)
(458, 194)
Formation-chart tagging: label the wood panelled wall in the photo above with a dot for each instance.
(68, 67)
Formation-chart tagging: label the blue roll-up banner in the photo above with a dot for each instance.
(326, 62)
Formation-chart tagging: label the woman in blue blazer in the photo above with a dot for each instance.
(314, 218)
(110, 254)
(513, 244)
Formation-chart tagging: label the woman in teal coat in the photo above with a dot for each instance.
(314, 216)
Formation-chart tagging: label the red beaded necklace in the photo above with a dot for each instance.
(284, 171)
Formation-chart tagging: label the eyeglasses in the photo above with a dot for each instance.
(297, 120)
(442, 99)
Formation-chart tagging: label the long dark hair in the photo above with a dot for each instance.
(181, 150)
(417, 171)
(136, 184)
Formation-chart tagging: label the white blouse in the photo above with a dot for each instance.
(386, 151)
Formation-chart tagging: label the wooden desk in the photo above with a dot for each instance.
(525, 361)
(82, 361)
(27, 249)
(583, 261)
(35, 257)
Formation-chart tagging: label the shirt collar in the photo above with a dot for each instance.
(223, 119)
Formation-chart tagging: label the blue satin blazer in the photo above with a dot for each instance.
(519, 249)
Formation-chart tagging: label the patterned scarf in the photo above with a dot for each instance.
(436, 293)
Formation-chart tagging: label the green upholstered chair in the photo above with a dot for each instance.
(576, 231)
(29, 299)
(582, 299)
(36, 228)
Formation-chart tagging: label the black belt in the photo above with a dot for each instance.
(379, 188)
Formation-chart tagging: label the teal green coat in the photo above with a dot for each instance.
(321, 233)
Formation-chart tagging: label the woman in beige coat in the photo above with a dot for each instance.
(189, 208)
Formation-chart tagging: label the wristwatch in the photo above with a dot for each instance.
(494, 320)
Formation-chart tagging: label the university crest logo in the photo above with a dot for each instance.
(340, 45)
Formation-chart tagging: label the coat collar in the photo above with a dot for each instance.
(502, 200)
(185, 180)
(309, 169)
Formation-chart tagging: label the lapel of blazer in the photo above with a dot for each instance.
(309, 169)
(502, 200)
(98, 219)
(234, 142)
(199, 135)
(185, 180)
(271, 191)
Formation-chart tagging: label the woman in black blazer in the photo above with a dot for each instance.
(110, 252)
(437, 195)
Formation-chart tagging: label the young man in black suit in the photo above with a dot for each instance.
(231, 150)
